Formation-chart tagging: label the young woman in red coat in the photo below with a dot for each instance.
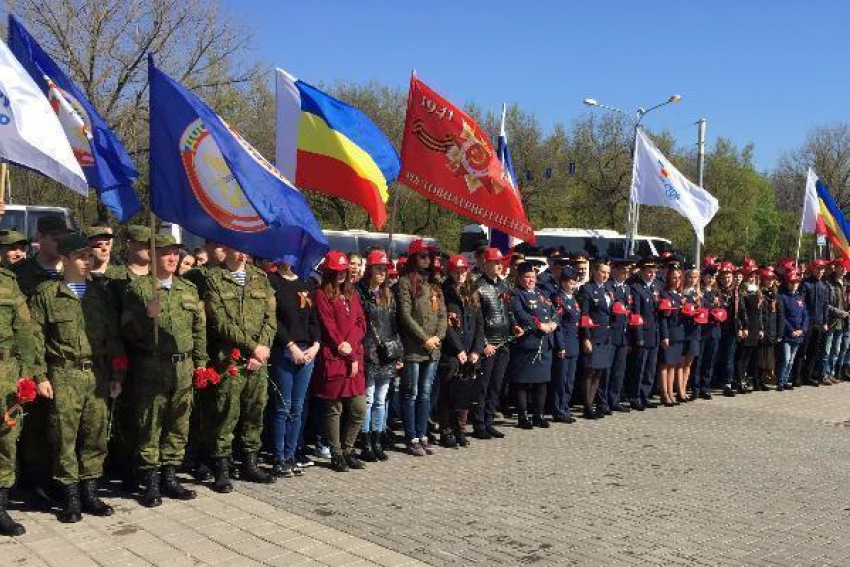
(339, 378)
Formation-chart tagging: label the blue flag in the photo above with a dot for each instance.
(205, 177)
(104, 161)
(499, 239)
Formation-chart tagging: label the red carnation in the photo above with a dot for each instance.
(235, 354)
(213, 376)
(232, 370)
(199, 378)
(120, 363)
(26, 390)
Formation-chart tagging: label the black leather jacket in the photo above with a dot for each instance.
(495, 309)
(381, 323)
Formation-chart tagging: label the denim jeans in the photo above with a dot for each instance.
(829, 352)
(377, 387)
(417, 378)
(290, 387)
(789, 352)
(844, 357)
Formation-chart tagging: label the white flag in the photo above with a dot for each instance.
(30, 132)
(656, 182)
(811, 203)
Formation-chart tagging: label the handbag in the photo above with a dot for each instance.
(389, 350)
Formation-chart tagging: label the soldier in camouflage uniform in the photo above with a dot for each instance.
(101, 239)
(122, 445)
(199, 274)
(13, 247)
(79, 363)
(163, 369)
(35, 454)
(17, 351)
(241, 319)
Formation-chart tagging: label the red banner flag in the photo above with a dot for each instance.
(448, 158)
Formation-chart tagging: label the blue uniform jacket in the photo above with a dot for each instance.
(644, 302)
(672, 325)
(620, 323)
(569, 312)
(711, 300)
(596, 302)
(692, 329)
(795, 316)
(530, 308)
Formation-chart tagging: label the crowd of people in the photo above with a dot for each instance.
(221, 359)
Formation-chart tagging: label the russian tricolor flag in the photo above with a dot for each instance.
(499, 239)
(325, 145)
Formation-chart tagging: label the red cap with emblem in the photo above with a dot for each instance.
(635, 320)
(620, 309)
(336, 261)
(701, 318)
(458, 263)
(719, 314)
(666, 305)
(585, 322)
(418, 246)
(492, 255)
(377, 258)
(820, 263)
(689, 309)
(727, 266)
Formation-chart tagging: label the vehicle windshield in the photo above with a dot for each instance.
(13, 220)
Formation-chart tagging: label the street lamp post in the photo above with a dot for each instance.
(640, 113)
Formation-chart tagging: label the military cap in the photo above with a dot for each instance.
(569, 273)
(73, 242)
(648, 262)
(164, 240)
(524, 268)
(625, 261)
(98, 232)
(50, 225)
(9, 237)
(139, 233)
(709, 270)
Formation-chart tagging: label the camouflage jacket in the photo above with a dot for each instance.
(181, 323)
(240, 317)
(30, 275)
(68, 329)
(16, 330)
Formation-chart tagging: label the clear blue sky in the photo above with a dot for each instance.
(760, 71)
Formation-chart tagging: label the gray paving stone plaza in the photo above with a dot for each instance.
(754, 480)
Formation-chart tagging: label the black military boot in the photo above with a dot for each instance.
(338, 463)
(72, 512)
(367, 452)
(352, 460)
(91, 503)
(221, 470)
(524, 422)
(170, 486)
(151, 497)
(460, 436)
(377, 447)
(8, 526)
(252, 473)
(202, 472)
(539, 421)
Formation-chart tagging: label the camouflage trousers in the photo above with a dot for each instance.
(8, 435)
(77, 424)
(238, 404)
(163, 406)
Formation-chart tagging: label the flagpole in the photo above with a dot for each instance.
(397, 191)
(4, 175)
(700, 170)
(154, 279)
(633, 206)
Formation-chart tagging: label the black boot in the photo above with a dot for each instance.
(252, 473)
(538, 421)
(462, 441)
(71, 513)
(524, 422)
(377, 448)
(170, 486)
(8, 526)
(151, 497)
(338, 463)
(221, 470)
(367, 453)
(448, 440)
(91, 503)
(352, 460)
(202, 472)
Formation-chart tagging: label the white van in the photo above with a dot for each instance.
(595, 242)
(24, 218)
(361, 240)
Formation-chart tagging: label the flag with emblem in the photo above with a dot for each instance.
(30, 132)
(447, 157)
(108, 168)
(205, 177)
(656, 182)
(822, 215)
